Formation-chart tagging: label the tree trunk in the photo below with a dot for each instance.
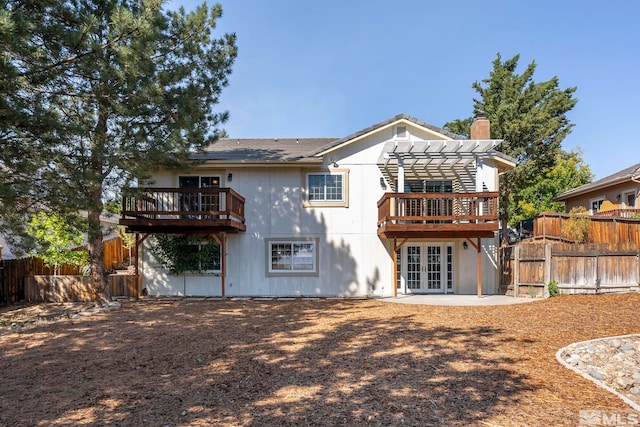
(96, 249)
(96, 259)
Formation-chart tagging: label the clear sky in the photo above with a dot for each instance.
(330, 68)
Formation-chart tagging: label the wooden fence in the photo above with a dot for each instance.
(577, 268)
(13, 272)
(602, 229)
(75, 288)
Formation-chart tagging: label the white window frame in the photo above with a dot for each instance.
(598, 200)
(343, 202)
(292, 242)
(624, 196)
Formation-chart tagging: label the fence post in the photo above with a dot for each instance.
(547, 269)
(4, 289)
(516, 271)
(638, 276)
(597, 274)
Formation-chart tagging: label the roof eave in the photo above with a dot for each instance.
(577, 192)
(264, 163)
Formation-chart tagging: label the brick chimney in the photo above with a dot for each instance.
(480, 128)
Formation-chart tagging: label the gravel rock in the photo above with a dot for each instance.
(613, 361)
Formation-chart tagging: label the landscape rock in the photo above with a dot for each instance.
(615, 362)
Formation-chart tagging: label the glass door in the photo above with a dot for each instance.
(414, 268)
(199, 202)
(425, 268)
(433, 269)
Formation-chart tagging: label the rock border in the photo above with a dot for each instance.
(583, 374)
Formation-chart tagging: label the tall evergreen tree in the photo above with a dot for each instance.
(569, 171)
(529, 116)
(100, 92)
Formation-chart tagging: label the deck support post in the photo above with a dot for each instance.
(479, 278)
(223, 255)
(394, 285)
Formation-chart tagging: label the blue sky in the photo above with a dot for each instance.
(330, 68)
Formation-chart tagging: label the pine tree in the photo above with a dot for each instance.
(103, 92)
(529, 116)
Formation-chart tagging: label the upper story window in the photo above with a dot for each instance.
(595, 205)
(629, 199)
(195, 181)
(326, 188)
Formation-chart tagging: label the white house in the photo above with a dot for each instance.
(399, 207)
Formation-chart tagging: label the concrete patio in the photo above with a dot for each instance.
(458, 300)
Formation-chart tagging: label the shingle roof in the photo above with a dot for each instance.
(293, 149)
(263, 149)
(619, 177)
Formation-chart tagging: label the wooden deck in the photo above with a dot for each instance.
(438, 215)
(183, 210)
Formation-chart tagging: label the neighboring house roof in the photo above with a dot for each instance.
(625, 175)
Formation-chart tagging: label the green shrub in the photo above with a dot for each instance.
(576, 227)
(553, 288)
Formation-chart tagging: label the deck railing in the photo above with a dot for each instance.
(184, 203)
(621, 213)
(402, 208)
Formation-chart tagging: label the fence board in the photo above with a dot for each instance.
(123, 285)
(16, 270)
(578, 268)
(58, 289)
(602, 229)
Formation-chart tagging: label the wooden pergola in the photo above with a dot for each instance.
(468, 215)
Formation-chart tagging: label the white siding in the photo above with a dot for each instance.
(353, 260)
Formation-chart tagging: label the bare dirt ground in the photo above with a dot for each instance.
(305, 363)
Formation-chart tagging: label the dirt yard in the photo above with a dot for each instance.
(305, 363)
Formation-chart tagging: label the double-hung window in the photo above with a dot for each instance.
(297, 257)
(326, 188)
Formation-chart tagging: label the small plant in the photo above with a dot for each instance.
(553, 288)
(57, 241)
(531, 291)
(128, 240)
(577, 226)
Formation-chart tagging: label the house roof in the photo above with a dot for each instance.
(398, 118)
(267, 150)
(619, 177)
(305, 150)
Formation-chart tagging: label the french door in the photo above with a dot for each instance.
(199, 201)
(425, 268)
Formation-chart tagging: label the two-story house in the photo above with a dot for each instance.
(398, 207)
